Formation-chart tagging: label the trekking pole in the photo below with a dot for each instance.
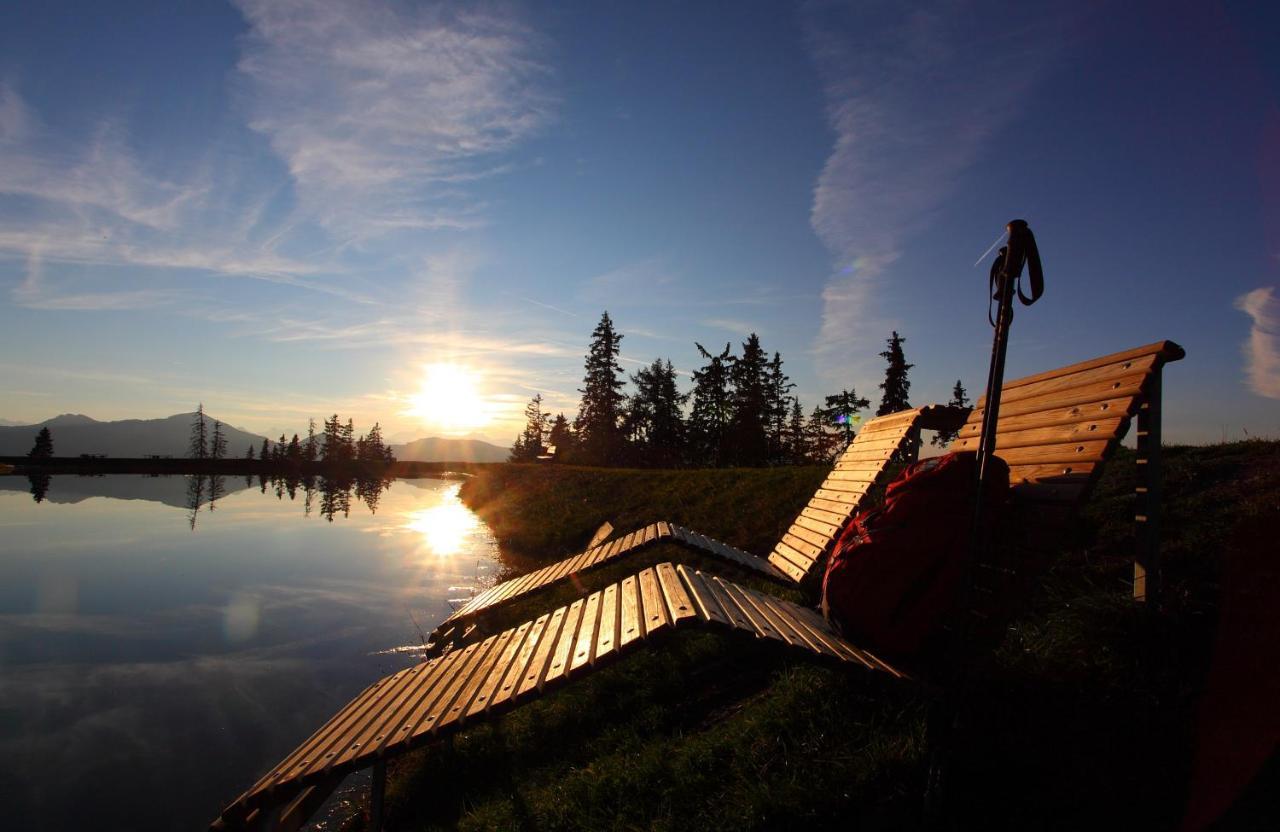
(1019, 251)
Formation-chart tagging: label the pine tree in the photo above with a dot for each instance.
(249, 453)
(348, 433)
(294, 451)
(310, 450)
(750, 405)
(712, 406)
(332, 440)
(842, 411)
(797, 440)
(561, 437)
(277, 453)
(896, 386)
(218, 447)
(43, 447)
(599, 414)
(265, 454)
(959, 398)
(655, 416)
(529, 445)
(821, 442)
(199, 445)
(779, 404)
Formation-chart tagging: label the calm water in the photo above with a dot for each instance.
(155, 659)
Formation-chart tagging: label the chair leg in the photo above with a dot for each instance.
(377, 790)
(1146, 565)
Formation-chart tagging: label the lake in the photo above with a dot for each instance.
(160, 650)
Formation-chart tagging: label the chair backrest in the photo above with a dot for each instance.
(1057, 428)
(863, 465)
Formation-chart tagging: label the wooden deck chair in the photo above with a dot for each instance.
(1045, 420)
(797, 558)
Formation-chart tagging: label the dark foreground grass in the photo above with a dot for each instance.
(1084, 718)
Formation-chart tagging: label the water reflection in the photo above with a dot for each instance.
(335, 493)
(139, 657)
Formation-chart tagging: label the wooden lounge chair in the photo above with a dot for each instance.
(1059, 428)
(796, 559)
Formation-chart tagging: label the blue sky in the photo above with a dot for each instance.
(287, 209)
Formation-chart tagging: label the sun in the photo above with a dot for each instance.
(448, 398)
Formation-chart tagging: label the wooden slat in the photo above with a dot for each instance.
(322, 759)
(765, 619)
(831, 517)
(815, 538)
(1061, 473)
(788, 568)
(1107, 372)
(806, 550)
(880, 441)
(584, 648)
(828, 530)
(380, 729)
(1168, 350)
(822, 642)
(484, 697)
(861, 476)
(873, 456)
(607, 634)
(1069, 453)
(511, 680)
(561, 656)
(703, 597)
(1088, 429)
(1123, 390)
(655, 611)
(537, 667)
(461, 677)
(840, 509)
(679, 604)
(489, 667)
(859, 466)
(734, 615)
(734, 596)
(798, 559)
(848, 498)
(632, 625)
(664, 529)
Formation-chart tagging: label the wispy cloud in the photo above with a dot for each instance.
(913, 92)
(384, 112)
(1262, 349)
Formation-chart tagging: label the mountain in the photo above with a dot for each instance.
(439, 449)
(74, 434)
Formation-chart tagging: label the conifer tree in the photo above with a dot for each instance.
(778, 389)
(265, 454)
(600, 411)
(249, 453)
(796, 437)
(842, 411)
(43, 447)
(529, 444)
(750, 405)
(294, 451)
(655, 416)
(561, 437)
(218, 446)
(310, 449)
(277, 453)
(959, 398)
(712, 406)
(332, 440)
(349, 441)
(896, 386)
(821, 442)
(198, 448)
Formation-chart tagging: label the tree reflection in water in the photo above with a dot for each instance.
(39, 486)
(335, 492)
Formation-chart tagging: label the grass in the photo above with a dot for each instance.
(1083, 718)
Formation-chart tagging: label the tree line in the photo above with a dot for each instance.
(740, 411)
(335, 445)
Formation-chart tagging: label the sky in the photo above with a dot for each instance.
(289, 208)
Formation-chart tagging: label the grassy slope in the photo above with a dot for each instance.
(1083, 719)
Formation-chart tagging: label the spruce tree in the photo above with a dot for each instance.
(896, 386)
(561, 437)
(599, 414)
(796, 439)
(332, 440)
(218, 447)
(529, 445)
(265, 454)
(821, 444)
(43, 447)
(198, 448)
(310, 449)
(779, 388)
(750, 405)
(249, 453)
(842, 410)
(655, 417)
(709, 418)
(959, 398)
(294, 451)
(348, 432)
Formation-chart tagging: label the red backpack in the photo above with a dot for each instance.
(895, 573)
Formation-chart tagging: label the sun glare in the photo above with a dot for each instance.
(444, 528)
(448, 398)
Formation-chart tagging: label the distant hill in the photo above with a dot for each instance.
(437, 449)
(74, 434)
